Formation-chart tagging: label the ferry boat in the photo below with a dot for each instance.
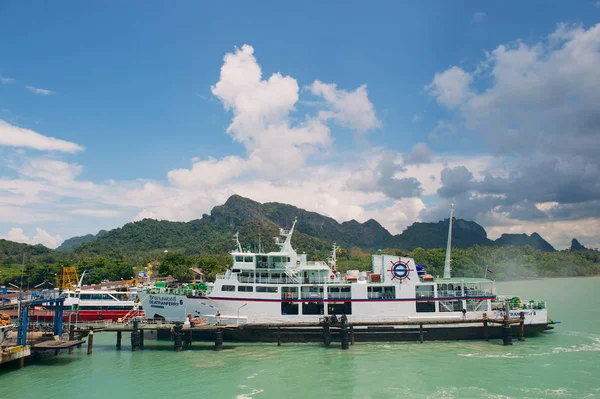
(282, 287)
(89, 305)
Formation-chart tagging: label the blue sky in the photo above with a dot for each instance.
(133, 84)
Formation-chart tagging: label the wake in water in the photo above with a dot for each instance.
(592, 347)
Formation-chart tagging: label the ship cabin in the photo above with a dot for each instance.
(286, 275)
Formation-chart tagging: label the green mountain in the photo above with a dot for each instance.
(577, 246)
(74, 242)
(522, 240)
(259, 223)
(435, 235)
(16, 249)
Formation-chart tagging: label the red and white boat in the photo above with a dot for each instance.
(88, 304)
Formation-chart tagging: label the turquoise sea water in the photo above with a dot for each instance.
(561, 364)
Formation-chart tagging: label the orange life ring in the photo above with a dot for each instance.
(332, 276)
(288, 295)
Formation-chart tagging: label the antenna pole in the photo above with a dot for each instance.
(449, 245)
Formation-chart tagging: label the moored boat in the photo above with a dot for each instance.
(264, 290)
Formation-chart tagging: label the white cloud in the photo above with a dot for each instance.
(351, 109)
(537, 107)
(479, 17)
(14, 136)
(451, 87)
(209, 173)
(26, 215)
(5, 81)
(49, 169)
(96, 213)
(276, 144)
(16, 234)
(37, 90)
(280, 153)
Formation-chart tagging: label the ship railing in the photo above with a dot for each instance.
(477, 293)
(220, 276)
(311, 295)
(339, 295)
(318, 280)
(380, 295)
(289, 295)
(450, 294)
(267, 280)
(425, 295)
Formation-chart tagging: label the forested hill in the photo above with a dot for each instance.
(74, 242)
(10, 249)
(260, 222)
(205, 243)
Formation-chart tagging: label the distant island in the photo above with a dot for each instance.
(174, 247)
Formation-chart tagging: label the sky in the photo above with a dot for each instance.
(111, 112)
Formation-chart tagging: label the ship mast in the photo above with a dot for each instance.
(333, 258)
(449, 245)
(237, 242)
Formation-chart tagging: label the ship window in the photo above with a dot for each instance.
(277, 259)
(245, 288)
(451, 306)
(312, 308)
(235, 271)
(239, 258)
(248, 259)
(289, 308)
(339, 308)
(85, 296)
(424, 291)
(261, 288)
(288, 259)
(425, 307)
(228, 288)
(381, 292)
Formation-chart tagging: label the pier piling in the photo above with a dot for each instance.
(119, 338)
(141, 339)
(218, 340)
(522, 326)
(344, 334)
(187, 339)
(421, 333)
(135, 340)
(178, 339)
(278, 336)
(90, 341)
(506, 329)
(326, 333)
(351, 334)
(486, 333)
(71, 336)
